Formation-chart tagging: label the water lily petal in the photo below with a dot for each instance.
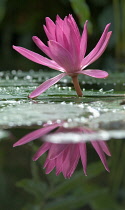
(83, 44)
(74, 160)
(75, 27)
(67, 33)
(101, 154)
(56, 150)
(59, 21)
(35, 134)
(50, 25)
(41, 45)
(59, 162)
(50, 166)
(92, 54)
(94, 73)
(102, 49)
(45, 163)
(71, 160)
(65, 160)
(74, 45)
(104, 147)
(59, 35)
(46, 146)
(48, 34)
(61, 56)
(83, 154)
(45, 85)
(35, 57)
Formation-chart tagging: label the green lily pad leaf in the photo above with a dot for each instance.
(27, 114)
(59, 102)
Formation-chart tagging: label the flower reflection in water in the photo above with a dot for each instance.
(65, 157)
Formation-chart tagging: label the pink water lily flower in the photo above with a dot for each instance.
(66, 50)
(65, 157)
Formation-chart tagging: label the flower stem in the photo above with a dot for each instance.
(77, 86)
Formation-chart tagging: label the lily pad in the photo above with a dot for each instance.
(101, 99)
(27, 114)
(109, 121)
